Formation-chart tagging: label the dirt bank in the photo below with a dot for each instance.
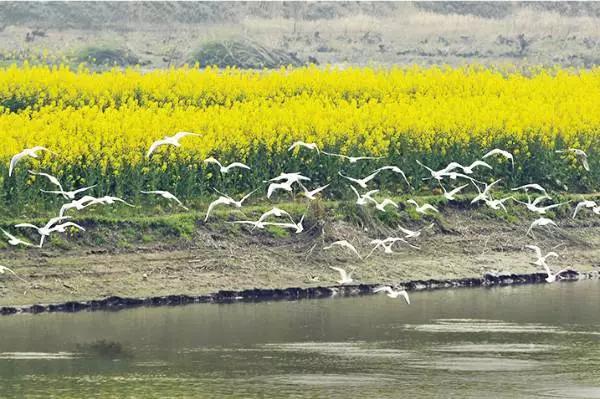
(213, 257)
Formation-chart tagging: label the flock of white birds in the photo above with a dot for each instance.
(287, 181)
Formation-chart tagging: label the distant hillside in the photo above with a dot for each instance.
(92, 15)
(126, 15)
(273, 34)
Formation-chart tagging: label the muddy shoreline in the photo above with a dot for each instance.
(133, 264)
(116, 303)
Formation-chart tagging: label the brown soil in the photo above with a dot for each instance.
(462, 244)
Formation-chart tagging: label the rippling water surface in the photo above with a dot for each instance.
(536, 342)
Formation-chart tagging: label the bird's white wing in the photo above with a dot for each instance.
(396, 239)
(488, 187)
(66, 207)
(53, 192)
(285, 176)
(274, 212)
(335, 244)
(81, 190)
(298, 178)
(450, 167)
(341, 271)
(154, 146)
(531, 226)
(492, 152)
(294, 145)
(213, 160)
(318, 190)
(8, 235)
(546, 268)
(350, 178)
(533, 186)
(430, 207)
(377, 243)
(554, 206)
(353, 249)
(585, 163)
(355, 191)
(61, 227)
(245, 197)
(238, 165)
(397, 170)
(498, 151)
(218, 201)
(180, 135)
(50, 178)
(117, 199)
(480, 163)
(56, 220)
(578, 207)
(14, 161)
(405, 231)
(335, 155)
(272, 188)
(174, 198)
(370, 177)
(282, 225)
(537, 250)
(384, 289)
(388, 167)
(364, 158)
(14, 240)
(388, 201)
(26, 225)
(405, 296)
(71, 224)
(539, 199)
(368, 194)
(457, 189)
(462, 175)
(413, 202)
(4, 269)
(426, 167)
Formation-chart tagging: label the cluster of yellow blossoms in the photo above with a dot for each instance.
(101, 124)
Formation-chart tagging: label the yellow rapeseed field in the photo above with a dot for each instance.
(101, 124)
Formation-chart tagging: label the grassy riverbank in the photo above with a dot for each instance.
(130, 252)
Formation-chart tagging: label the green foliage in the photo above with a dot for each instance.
(243, 54)
(106, 56)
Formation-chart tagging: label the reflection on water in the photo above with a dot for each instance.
(533, 341)
(37, 355)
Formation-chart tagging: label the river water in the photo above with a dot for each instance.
(539, 341)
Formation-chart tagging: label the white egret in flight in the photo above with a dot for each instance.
(169, 140)
(28, 152)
